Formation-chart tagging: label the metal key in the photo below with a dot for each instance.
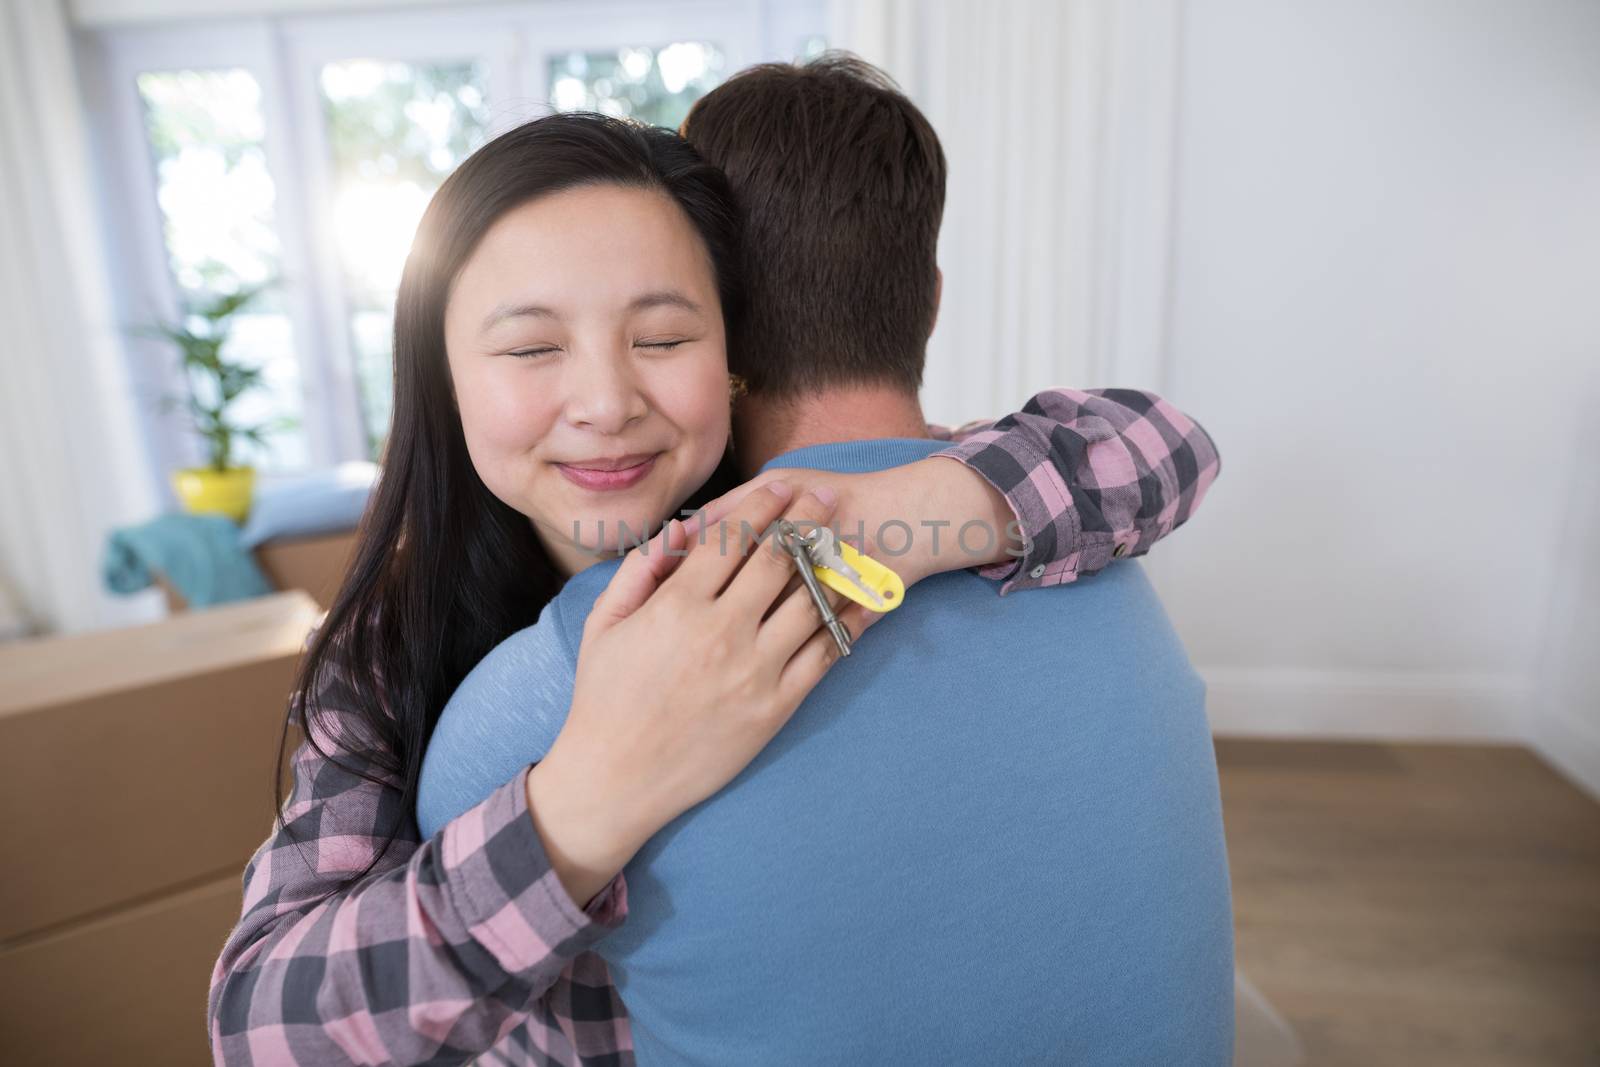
(798, 545)
(824, 546)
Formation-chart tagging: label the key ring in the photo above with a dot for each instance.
(792, 541)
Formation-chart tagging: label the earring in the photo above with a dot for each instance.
(737, 387)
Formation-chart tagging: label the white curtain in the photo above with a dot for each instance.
(1058, 118)
(72, 463)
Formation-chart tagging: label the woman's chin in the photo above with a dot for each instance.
(614, 534)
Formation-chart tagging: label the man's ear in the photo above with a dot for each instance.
(938, 293)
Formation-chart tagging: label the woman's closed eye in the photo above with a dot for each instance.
(536, 350)
(661, 344)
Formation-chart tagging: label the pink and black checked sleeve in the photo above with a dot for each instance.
(446, 949)
(1092, 475)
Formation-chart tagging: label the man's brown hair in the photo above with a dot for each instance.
(841, 183)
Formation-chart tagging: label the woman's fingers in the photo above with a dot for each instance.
(762, 578)
(794, 620)
(641, 574)
(718, 509)
(718, 551)
(798, 478)
(820, 652)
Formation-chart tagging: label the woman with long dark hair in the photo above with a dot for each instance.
(359, 940)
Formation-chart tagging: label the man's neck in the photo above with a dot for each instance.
(764, 427)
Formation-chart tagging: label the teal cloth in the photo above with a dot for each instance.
(199, 555)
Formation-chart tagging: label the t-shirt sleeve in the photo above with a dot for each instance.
(505, 715)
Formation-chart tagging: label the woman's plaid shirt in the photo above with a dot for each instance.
(466, 945)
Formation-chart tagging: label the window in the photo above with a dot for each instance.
(204, 129)
(302, 152)
(654, 85)
(395, 131)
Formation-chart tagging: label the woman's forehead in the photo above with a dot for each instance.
(603, 246)
(605, 228)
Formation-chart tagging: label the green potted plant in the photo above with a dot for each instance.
(215, 383)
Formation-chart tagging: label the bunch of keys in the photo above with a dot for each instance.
(823, 560)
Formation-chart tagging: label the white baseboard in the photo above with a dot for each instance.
(1397, 705)
(1571, 745)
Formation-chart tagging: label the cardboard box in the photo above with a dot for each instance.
(315, 564)
(137, 761)
(129, 988)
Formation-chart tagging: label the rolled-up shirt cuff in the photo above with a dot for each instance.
(1008, 464)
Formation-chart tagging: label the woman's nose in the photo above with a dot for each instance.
(604, 396)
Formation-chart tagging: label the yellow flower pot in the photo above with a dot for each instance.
(206, 490)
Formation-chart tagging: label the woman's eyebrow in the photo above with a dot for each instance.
(663, 298)
(642, 302)
(513, 311)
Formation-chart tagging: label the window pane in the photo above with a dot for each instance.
(654, 85)
(216, 199)
(395, 131)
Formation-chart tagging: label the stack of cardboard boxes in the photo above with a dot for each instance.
(136, 772)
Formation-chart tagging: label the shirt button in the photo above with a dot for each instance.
(1037, 572)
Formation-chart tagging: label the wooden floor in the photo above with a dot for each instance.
(1417, 904)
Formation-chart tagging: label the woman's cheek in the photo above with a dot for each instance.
(502, 426)
(719, 431)
(702, 408)
(502, 416)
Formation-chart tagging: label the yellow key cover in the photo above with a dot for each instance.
(880, 579)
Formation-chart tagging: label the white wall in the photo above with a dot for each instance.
(1566, 726)
(1386, 310)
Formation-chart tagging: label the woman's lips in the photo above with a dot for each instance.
(608, 475)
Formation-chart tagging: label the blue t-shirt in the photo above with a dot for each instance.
(993, 834)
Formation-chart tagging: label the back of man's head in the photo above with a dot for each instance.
(841, 180)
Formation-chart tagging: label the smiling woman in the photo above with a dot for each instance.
(532, 349)
(594, 398)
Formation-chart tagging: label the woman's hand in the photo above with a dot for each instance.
(690, 664)
(909, 518)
